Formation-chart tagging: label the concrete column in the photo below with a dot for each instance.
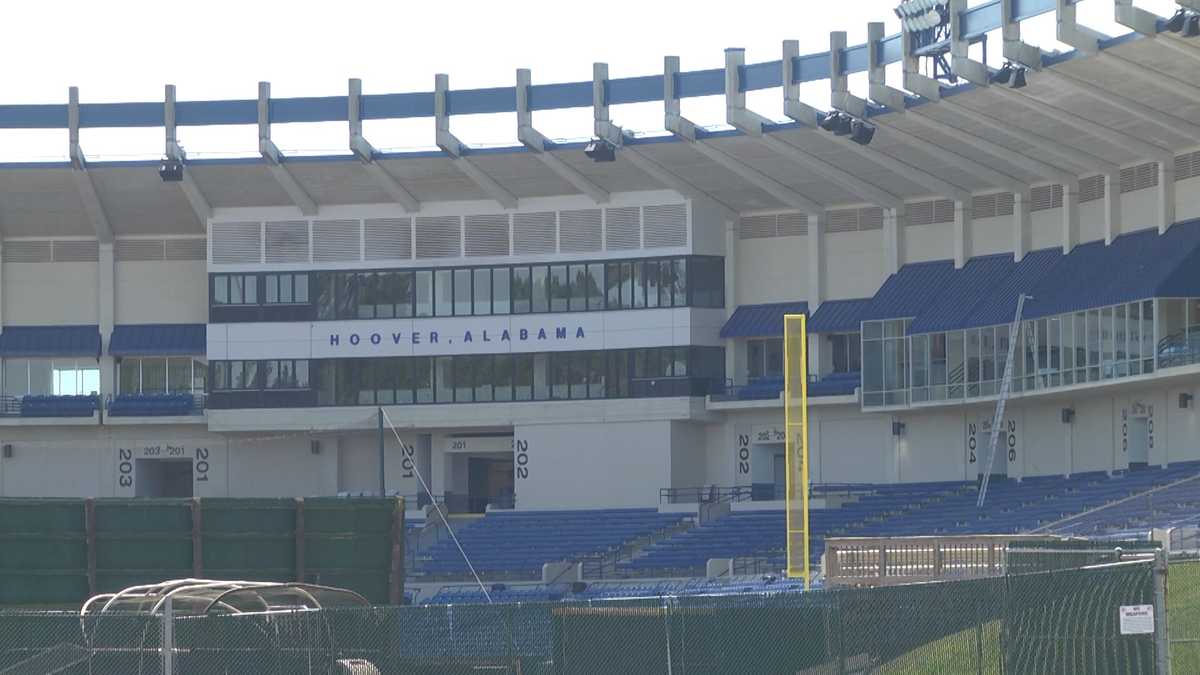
(731, 249)
(1070, 217)
(1112, 207)
(106, 304)
(1022, 225)
(1166, 195)
(894, 222)
(816, 260)
(963, 246)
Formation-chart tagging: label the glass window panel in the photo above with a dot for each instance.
(1120, 340)
(680, 279)
(66, 380)
(637, 281)
(560, 375)
(618, 373)
(300, 288)
(756, 358)
(937, 359)
(250, 284)
(666, 283)
(326, 296)
(521, 289)
(364, 382)
(368, 287)
(541, 377)
(237, 289)
(1106, 342)
(501, 302)
(577, 365)
(579, 287)
(300, 373)
(387, 381)
(347, 296)
(595, 282)
(462, 292)
(503, 366)
(443, 293)
(421, 377)
(679, 367)
(154, 376)
(199, 376)
(484, 377)
(1135, 331)
(128, 379)
(1067, 348)
(613, 284)
(89, 381)
(443, 379)
(482, 295)
(424, 292)
(540, 288)
(272, 288)
(271, 375)
(286, 296)
(523, 377)
(220, 290)
(464, 378)
(596, 375)
(652, 278)
(872, 330)
(628, 285)
(560, 288)
(955, 368)
(400, 293)
(401, 374)
(385, 295)
(774, 357)
(179, 375)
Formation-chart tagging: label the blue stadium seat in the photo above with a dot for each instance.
(151, 405)
(59, 406)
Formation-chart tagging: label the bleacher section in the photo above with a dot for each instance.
(59, 406)
(1173, 506)
(152, 405)
(770, 387)
(516, 543)
(607, 590)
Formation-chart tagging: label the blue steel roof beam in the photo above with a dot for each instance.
(79, 173)
(1148, 24)
(174, 151)
(685, 129)
(751, 124)
(540, 145)
(275, 159)
(365, 152)
(604, 128)
(458, 151)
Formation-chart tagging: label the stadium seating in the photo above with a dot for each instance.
(608, 590)
(517, 543)
(151, 405)
(1173, 506)
(835, 384)
(59, 406)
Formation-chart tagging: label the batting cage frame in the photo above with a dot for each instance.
(795, 407)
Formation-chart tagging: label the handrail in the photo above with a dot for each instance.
(977, 20)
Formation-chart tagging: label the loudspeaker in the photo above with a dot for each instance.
(8, 451)
(314, 447)
(1068, 415)
(1185, 400)
(898, 428)
(578, 586)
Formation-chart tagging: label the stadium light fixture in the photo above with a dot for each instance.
(170, 170)
(1175, 23)
(600, 150)
(1003, 75)
(1191, 27)
(829, 121)
(1018, 79)
(861, 132)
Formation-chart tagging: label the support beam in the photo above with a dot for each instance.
(1070, 217)
(1112, 207)
(752, 124)
(83, 180)
(964, 244)
(685, 130)
(1150, 76)
(365, 152)
(604, 128)
(275, 159)
(1146, 23)
(845, 102)
(815, 242)
(894, 223)
(1022, 225)
(457, 150)
(534, 140)
(1183, 129)
(174, 151)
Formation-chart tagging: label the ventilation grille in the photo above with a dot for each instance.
(1139, 177)
(486, 235)
(186, 249)
(534, 233)
(579, 231)
(623, 228)
(27, 251)
(1187, 166)
(791, 224)
(439, 237)
(990, 206)
(388, 238)
(920, 213)
(1045, 197)
(287, 241)
(143, 250)
(1091, 188)
(842, 220)
(665, 225)
(336, 240)
(234, 243)
(76, 251)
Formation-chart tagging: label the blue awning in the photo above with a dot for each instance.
(838, 316)
(760, 320)
(908, 292)
(159, 339)
(17, 341)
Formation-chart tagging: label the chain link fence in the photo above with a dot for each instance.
(1060, 621)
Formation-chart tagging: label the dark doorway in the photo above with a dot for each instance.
(163, 478)
(489, 481)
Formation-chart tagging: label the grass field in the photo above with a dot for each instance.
(1183, 615)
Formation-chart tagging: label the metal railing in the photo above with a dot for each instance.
(883, 561)
(197, 406)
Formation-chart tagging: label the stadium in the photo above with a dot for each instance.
(570, 361)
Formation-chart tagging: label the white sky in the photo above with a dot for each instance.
(126, 50)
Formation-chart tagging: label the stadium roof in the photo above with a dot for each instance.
(1109, 104)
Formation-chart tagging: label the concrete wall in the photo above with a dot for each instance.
(928, 242)
(40, 294)
(854, 264)
(161, 292)
(771, 270)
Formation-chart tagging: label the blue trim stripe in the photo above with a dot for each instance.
(481, 101)
(17, 341)
(761, 76)
(559, 96)
(160, 339)
(700, 83)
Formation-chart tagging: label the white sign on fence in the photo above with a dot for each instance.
(1137, 619)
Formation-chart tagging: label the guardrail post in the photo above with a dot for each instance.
(1162, 637)
(197, 540)
(396, 573)
(89, 534)
(300, 567)
(168, 638)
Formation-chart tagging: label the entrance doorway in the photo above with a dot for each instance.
(489, 481)
(163, 478)
(1138, 440)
